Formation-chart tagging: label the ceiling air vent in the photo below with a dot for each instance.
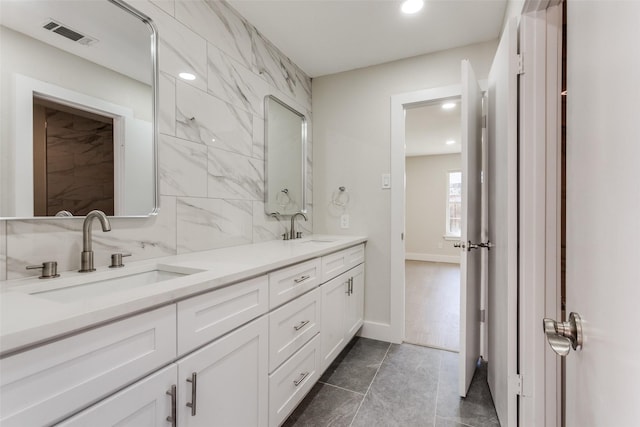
(67, 32)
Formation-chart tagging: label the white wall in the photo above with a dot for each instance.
(425, 212)
(352, 149)
(211, 192)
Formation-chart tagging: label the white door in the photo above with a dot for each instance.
(470, 259)
(502, 176)
(603, 211)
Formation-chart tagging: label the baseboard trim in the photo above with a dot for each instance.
(414, 256)
(379, 331)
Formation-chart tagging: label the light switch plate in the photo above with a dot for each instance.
(386, 180)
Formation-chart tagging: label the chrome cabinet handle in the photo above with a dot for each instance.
(301, 378)
(351, 286)
(301, 325)
(173, 417)
(302, 278)
(562, 336)
(348, 283)
(194, 385)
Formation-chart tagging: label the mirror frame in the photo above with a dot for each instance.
(154, 112)
(303, 159)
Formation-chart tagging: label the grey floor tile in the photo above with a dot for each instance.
(325, 405)
(356, 366)
(445, 422)
(404, 391)
(475, 410)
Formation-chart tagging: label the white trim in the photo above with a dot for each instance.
(25, 89)
(540, 204)
(378, 331)
(398, 104)
(414, 256)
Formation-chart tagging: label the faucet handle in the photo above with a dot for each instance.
(49, 269)
(116, 259)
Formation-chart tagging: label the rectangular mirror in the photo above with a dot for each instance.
(285, 158)
(78, 97)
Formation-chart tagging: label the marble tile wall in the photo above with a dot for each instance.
(210, 148)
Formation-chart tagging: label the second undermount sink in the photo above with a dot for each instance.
(101, 284)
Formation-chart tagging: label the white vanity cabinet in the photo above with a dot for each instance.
(342, 312)
(243, 355)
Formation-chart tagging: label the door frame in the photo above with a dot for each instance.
(399, 103)
(540, 200)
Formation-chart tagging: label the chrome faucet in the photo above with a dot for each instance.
(292, 231)
(86, 257)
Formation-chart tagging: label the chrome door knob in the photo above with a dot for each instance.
(562, 336)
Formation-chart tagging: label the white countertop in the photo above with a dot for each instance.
(27, 319)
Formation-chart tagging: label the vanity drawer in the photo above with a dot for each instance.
(203, 318)
(290, 282)
(292, 381)
(292, 325)
(46, 384)
(341, 261)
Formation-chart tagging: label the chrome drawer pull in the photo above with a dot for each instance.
(300, 325)
(173, 417)
(194, 384)
(302, 278)
(303, 375)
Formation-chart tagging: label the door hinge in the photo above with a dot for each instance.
(481, 177)
(517, 384)
(520, 63)
(484, 121)
(483, 315)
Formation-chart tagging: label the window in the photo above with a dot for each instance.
(454, 203)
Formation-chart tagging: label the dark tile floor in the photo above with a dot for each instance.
(374, 383)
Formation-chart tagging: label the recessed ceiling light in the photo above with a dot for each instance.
(187, 76)
(448, 105)
(450, 142)
(412, 6)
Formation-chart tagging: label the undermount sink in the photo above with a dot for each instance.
(100, 286)
(318, 241)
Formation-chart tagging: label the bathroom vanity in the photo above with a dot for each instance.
(230, 337)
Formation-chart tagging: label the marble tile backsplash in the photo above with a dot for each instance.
(210, 148)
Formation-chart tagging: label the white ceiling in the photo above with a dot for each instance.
(122, 44)
(329, 36)
(429, 127)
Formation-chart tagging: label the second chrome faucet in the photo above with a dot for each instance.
(86, 257)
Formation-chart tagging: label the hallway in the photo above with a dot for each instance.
(374, 383)
(432, 304)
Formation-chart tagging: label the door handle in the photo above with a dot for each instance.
(194, 390)
(173, 417)
(562, 336)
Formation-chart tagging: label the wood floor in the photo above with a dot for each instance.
(432, 304)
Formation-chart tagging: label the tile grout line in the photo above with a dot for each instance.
(342, 388)
(370, 384)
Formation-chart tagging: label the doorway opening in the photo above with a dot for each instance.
(73, 154)
(433, 208)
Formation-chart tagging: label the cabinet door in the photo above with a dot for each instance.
(333, 318)
(143, 404)
(354, 314)
(226, 382)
